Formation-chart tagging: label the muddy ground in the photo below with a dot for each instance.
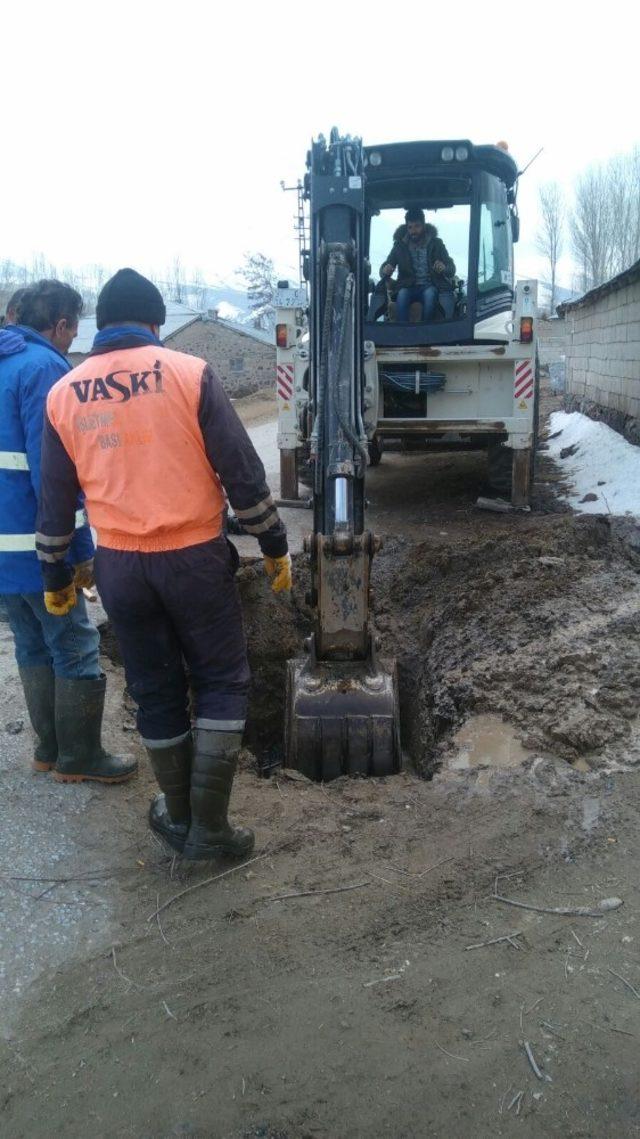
(327, 988)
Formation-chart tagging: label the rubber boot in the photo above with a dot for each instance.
(170, 812)
(214, 765)
(81, 756)
(38, 684)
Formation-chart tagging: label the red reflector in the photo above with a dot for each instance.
(526, 329)
(282, 340)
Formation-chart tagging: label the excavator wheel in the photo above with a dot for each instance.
(342, 719)
(375, 451)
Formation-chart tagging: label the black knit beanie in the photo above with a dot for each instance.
(130, 296)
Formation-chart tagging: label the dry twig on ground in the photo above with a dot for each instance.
(604, 907)
(463, 1058)
(627, 983)
(531, 1059)
(315, 893)
(207, 881)
(124, 977)
(496, 941)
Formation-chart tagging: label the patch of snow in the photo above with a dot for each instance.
(228, 312)
(601, 456)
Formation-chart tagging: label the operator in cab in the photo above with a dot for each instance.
(426, 272)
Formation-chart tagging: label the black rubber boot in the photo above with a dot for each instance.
(170, 813)
(39, 685)
(214, 766)
(79, 709)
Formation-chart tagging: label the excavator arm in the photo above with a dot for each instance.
(342, 707)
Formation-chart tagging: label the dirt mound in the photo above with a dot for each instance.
(538, 625)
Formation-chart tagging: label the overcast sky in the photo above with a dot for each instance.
(135, 132)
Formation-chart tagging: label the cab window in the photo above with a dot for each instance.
(495, 260)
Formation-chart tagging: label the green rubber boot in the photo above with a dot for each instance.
(81, 756)
(214, 766)
(39, 686)
(170, 812)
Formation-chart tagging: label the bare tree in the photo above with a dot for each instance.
(260, 277)
(605, 220)
(6, 274)
(550, 235)
(176, 281)
(198, 290)
(592, 226)
(624, 189)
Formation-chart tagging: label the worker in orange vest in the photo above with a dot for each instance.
(154, 442)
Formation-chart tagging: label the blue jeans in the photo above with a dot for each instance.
(69, 644)
(430, 297)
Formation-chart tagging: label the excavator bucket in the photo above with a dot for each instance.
(342, 718)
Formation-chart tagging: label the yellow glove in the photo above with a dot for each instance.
(280, 570)
(83, 577)
(60, 601)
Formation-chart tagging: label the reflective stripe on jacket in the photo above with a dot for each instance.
(29, 367)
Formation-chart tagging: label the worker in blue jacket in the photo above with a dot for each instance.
(57, 656)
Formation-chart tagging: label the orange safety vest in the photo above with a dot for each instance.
(128, 419)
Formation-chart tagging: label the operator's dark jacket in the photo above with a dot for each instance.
(400, 256)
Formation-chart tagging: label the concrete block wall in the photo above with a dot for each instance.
(603, 357)
(552, 340)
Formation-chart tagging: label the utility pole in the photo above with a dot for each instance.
(300, 225)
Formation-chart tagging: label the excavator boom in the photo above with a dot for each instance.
(342, 706)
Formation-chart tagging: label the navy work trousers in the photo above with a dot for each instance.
(175, 608)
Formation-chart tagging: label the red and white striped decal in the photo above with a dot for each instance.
(284, 380)
(523, 382)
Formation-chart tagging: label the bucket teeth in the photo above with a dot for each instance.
(342, 719)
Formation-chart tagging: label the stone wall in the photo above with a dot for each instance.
(603, 353)
(552, 340)
(243, 363)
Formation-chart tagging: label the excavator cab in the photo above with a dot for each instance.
(467, 196)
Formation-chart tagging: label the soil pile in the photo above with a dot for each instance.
(537, 623)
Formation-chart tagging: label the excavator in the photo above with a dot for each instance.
(353, 379)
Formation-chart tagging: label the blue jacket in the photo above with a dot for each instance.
(29, 367)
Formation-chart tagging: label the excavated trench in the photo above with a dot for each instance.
(536, 626)
(539, 628)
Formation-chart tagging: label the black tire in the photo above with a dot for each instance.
(500, 460)
(305, 466)
(375, 451)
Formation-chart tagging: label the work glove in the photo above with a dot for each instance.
(83, 576)
(279, 569)
(59, 602)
